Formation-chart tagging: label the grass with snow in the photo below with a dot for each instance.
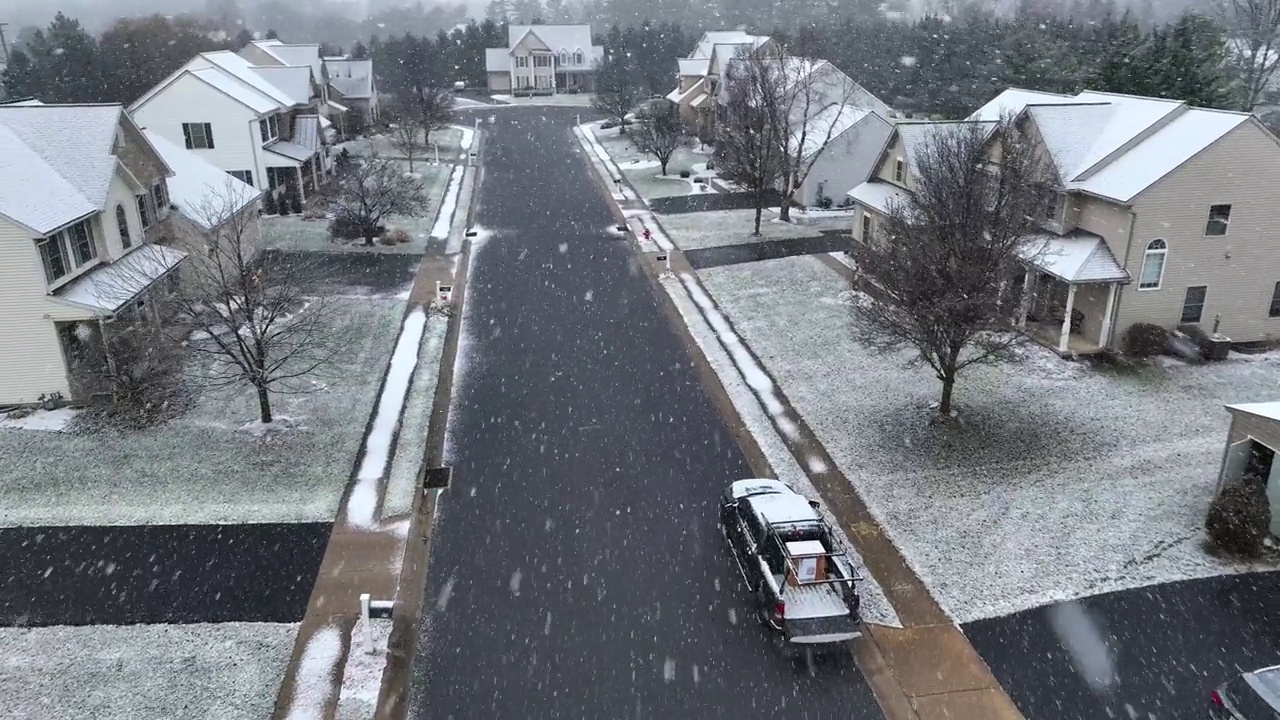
(230, 671)
(203, 467)
(448, 140)
(690, 231)
(362, 675)
(412, 448)
(1061, 482)
(642, 169)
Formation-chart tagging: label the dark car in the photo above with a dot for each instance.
(1249, 696)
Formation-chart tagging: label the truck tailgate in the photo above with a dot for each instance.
(822, 630)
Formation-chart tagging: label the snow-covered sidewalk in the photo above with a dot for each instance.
(449, 206)
(1063, 481)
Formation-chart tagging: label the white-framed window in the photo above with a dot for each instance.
(899, 171)
(1153, 265)
(67, 250)
(198, 136)
(1193, 303)
(144, 210)
(577, 58)
(1054, 204)
(244, 176)
(522, 61)
(867, 227)
(563, 59)
(122, 224)
(1219, 219)
(160, 197)
(542, 61)
(269, 128)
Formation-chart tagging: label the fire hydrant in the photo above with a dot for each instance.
(648, 236)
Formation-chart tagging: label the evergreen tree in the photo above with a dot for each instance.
(64, 64)
(21, 79)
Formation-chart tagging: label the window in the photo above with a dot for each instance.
(1153, 265)
(274, 122)
(280, 176)
(1193, 303)
(269, 128)
(144, 210)
(264, 130)
(1274, 311)
(80, 237)
(244, 176)
(66, 250)
(122, 223)
(1053, 204)
(522, 61)
(1219, 219)
(577, 58)
(564, 58)
(54, 258)
(899, 171)
(866, 225)
(542, 61)
(160, 198)
(199, 136)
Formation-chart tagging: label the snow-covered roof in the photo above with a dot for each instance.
(916, 136)
(291, 150)
(555, 37)
(711, 38)
(294, 80)
(56, 162)
(106, 288)
(879, 195)
(336, 106)
(1266, 410)
(694, 66)
(241, 70)
(784, 508)
(677, 97)
(497, 60)
(1013, 100)
(200, 189)
(826, 125)
(699, 100)
(256, 101)
(1078, 257)
(352, 78)
(304, 54)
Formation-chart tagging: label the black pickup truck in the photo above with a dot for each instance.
(802, 579)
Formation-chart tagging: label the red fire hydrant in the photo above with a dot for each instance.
(648, 236)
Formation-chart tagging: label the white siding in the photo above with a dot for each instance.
(30, 358)
(120, 193)
(236, 143)
(848, 160)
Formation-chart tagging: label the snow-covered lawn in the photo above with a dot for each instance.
(642, 170)
(1063, 481)
(230, 671)
(690, 231)
(412, 447)
(448, 140)
(293, 233)
(204, 467)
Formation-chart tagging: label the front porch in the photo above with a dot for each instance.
(1069, 293)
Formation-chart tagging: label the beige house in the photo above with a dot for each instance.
(699, 74)
(87, 233)
(1252, 442)
(1161, 213)
(544, 59)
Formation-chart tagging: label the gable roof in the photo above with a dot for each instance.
(236, 90)
(56, 162)
(916, 136)
(555, 37)
(711, 38)
(1013, 100)
(295, 54)
(293, 80)
(201, 191)
(352, 78)
(835, 119)
(240, 69)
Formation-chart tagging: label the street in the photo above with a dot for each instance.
(576, 567)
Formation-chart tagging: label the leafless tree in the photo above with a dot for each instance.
(816, 99)
(939, 266)
(1253, 52)
(750, 141)
(659, 136)
(370, 189)
(435, 108)
(617, 87)
(407, 132)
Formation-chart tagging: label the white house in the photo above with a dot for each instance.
(842, 145)
(261, 124)
(544, 59)
(87, 232)
(352, 83)
(345, 83)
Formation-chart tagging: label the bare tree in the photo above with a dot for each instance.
(369, 190)
(659, 136)
(750, 140)
(816, 101)
(617, 88)
(939, 266)
(407, 132)
(435, 108)
(1253, 47)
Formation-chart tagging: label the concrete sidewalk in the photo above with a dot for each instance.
(925, 670)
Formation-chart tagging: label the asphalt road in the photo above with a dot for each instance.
(1170, 646)
(158, 573)
(576, 569)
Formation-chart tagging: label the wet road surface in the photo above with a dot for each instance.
(577, 570)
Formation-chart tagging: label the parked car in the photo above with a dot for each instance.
(802, 578)
(1248, 696)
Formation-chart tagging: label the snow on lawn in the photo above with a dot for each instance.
(466, 136)
(449, 140)
(362, 676)
(202, 467)
(44, 420)
(449, 206)
(875, 606)
(690, 231)
(363, 504)
(642, 170)
(144, 672)
(412, 448)
(1062, 481)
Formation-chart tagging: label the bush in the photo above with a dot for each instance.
(313, 213)
(711, 165)
(685, 174)
(346, 227)
(269, 204)
(1146, 340)
(1239, 519)
(295, 203)
(396, 236)
(824, 202)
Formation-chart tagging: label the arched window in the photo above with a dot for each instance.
(122, 222)
(577, 58)
(1153, 265)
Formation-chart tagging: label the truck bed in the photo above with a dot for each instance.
(814, 601)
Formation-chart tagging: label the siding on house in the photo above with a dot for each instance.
(236, 143)
(1239, 268)
(30, 354)
(1245, 425)
(895, 151)
(846, 162)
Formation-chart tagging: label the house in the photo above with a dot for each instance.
(544, 59)
(262, 124)
(266, 54)
(1157, 213)
(84, 209)
(351, 83)
(1252, 442)
(699, 73)
(842, 145)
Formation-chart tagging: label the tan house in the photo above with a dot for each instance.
(1161, 213)
(544, 59)
(88, 232)
(1252, 442)
(699, 74)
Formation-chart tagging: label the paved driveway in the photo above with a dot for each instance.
(577, 570)
(1172, 644)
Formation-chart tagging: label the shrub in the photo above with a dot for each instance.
(347, 228)
(295, 203)
(711, 165)
(685, 173)
(269, 204)
(824, 202)
(313, 213)
(1146, 340)
(1239, 519)
(396, 236)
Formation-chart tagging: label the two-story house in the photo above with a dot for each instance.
(259, 123)
(352, 83)
(275, 53)
(544, 59)
(699, 73)
(1157, 212)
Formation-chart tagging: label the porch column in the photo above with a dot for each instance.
(553, 74)
(1105, 332)
(315, 179)
(1066, 319)
(1028, 288)
(302, 191)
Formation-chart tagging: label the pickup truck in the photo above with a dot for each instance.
(802, 579)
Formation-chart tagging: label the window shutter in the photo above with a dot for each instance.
(208, 135)
(186, 135)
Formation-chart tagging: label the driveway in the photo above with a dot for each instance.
(577, 569)
(1171, 644)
